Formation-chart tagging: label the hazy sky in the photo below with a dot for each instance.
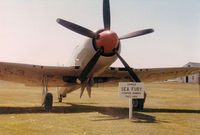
(29, 32)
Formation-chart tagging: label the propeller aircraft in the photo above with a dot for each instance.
(90, 65)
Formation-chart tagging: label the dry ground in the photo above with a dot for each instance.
(170, 108)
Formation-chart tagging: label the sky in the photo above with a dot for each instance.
(30, 34)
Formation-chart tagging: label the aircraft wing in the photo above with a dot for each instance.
(32, 75)
(112, 76)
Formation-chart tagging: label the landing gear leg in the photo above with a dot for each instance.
(60, 98)
(138, 104)
(47, 98)
(61, 93)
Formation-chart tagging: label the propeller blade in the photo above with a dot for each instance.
(131, 72)
(89, 66)
(137, 33)
(106, 14)
(76, 28)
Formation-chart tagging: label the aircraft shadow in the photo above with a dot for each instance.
(152, 110)
(115, 112)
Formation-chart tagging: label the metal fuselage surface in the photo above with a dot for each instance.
(83, 53)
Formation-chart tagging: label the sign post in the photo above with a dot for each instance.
(131, 90)
(130, 108)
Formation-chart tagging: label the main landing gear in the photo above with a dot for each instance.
(48, 102)
(138, 104)
(47, 98)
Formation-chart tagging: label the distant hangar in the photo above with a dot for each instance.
(192, 78)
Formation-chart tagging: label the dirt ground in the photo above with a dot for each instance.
(170, 108)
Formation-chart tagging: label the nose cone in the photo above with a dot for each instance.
(108, 40)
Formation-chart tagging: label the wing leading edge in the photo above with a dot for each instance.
(32, 75)
(151, 74)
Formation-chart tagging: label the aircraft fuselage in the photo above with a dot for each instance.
(84, 52)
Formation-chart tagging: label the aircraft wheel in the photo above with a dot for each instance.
(135, 103)
(138, 104)
(48, 102)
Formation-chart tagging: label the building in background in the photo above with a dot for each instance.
(191, 78)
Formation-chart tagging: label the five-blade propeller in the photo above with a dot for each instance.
(83, 77)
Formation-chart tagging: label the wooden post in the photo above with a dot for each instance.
(199, 83)
(130, 108)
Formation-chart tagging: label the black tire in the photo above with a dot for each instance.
(138, 104)
(135, 103)
(48, 102)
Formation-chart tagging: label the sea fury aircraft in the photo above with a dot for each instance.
(90, 66)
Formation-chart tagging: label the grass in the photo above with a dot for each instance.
(170, 108)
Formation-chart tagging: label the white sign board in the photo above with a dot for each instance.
(131, 90)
